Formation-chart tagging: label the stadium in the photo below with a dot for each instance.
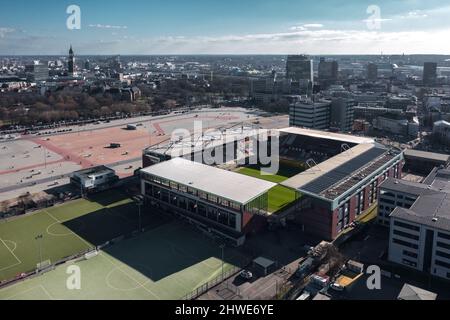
(325, 181)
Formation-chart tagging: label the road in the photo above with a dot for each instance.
(53, 179)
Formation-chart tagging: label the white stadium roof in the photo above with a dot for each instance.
(327, 135)
(222, 183)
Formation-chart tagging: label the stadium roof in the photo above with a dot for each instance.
(327, 135)
(427, 155)
(222, 183)
(209, 139)
(301, 180)
(339, 174)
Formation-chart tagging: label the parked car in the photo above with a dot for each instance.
(245, 274)
(337, 287)
(304, 296)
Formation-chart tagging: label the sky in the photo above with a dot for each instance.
(31, 27)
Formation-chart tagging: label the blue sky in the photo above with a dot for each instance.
(230, 27)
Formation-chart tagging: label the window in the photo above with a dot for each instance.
(443, 254)
(202, 210)
(409, 263)
(174, 185)
(406, 226)
(406, 235)
(410, 254)
(443, 245)
(405, 244)
(165, 196)
(383, 200)
(442, 264)
(232, 221)
(212, 214)
(444, 235)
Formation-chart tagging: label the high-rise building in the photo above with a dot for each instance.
(372, 72)
(71, 63)
(299, 68)
(429, 73)
(342, 114)
(328, 71)
(87, 65)
(37, 71)
(309, 114)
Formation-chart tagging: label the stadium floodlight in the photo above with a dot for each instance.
(37, 238)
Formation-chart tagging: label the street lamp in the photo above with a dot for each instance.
(222, 246)
(37, 238)
(139, 202)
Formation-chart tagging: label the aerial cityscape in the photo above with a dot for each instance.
(199, 151)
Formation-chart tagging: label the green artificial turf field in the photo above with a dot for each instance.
(279, 196)
(166, 262)
(66, 230)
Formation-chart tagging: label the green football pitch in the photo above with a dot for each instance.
(165, 263)
(279, 196)
(66, 230)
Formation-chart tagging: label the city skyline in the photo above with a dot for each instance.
(205, 27)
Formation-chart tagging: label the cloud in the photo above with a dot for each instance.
(416, 14)
(4, 31)
(106, 26)
(307, 26)
(313, 25)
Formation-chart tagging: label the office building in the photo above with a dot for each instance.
(419, 218)
(310, 114)
(429, 73)
(342, 114)
(372, 72)
(37, 72)
(328, 72)
(299, 69)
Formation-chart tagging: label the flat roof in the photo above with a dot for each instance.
(327, 135)
(222, 183)
(208, 139)
(431, 205)
(427, 155)
(302, 179)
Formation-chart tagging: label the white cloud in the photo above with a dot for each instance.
(313, 25)
(4, 31)
(106, 26)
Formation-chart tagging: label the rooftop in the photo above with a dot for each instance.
(432, 203)
(335, 176)
(209, 139)
(225, 184)
(410, 292)
(427, 155)
(345, 138)
(99, 170)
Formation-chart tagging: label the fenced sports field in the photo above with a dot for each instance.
(168, 261)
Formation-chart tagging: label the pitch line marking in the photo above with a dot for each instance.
(57, 220)
(22, 292)
(46, 292)
(129, 276)
(14, 255)
(13, 243)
